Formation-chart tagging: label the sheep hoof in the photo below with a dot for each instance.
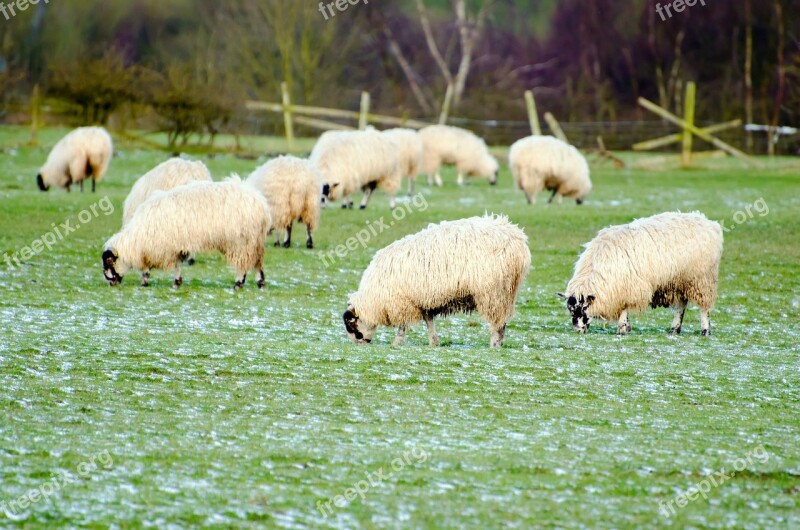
(177, 283)
(309, 244)
(261, 283)
(434, 341)
(287, 244)
(362, 207)
(706, 333)
(624, 329)
(277, 244)
(190, 261)
(237, 286)
(675, 331)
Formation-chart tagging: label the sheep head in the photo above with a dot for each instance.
(109, 267)
(40, 182)
(579, 309)
(357, 330)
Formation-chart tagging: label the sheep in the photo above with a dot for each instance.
(358, 159)
(292, 188)
(410, 152)
(445, 144)
(229, 216)
(545, 162)
(475, 264)
(165, 176)
(665, 260)
(85, 152)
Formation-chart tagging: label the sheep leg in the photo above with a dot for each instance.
(145, 278)
(530, 199)
(460, 179)
(178, 281)
(705, 323)
(497, 336)
(623, 324)
(410, 186)
(81, 186)
(277, 237)
(392, 203)
(240, 282)
(437, 178)
(309, 241)
(94, 184)
(261, 281)
(400, 339)
(367, 189)
(433, 339)
(677, 322)
(550, 200)
(288, 241)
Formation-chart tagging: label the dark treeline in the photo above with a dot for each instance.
(188, 65)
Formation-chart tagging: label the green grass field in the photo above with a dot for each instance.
(217, 409)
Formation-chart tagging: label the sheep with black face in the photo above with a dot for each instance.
(476, 264)
(229, 216)
(82, 154)
(666, 260)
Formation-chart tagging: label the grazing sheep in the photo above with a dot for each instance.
(666, 260)
(83, 153)
(354, 160)
(292, 187)
(229, 216)
(165, 176)
(476, 264)
(544, 162)
(445, 144)
(410, 152)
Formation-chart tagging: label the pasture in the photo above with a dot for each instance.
(252, 409)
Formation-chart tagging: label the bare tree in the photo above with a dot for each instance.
(470, 30)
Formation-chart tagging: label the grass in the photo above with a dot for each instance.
(225, 410)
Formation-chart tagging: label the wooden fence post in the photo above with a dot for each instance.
(691, 91)
(363, 119)
(35, 109)
(555, 127)
(533, 116)
(287, 116)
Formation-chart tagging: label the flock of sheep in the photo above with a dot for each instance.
(477, 264)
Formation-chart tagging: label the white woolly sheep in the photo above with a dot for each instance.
(83, 153)
(545, 162)
(410, 152)
(229, 216)
(165, 176)
(445, 144)
(666, 260)
(354, 160)
(476, 264)
(292, 187)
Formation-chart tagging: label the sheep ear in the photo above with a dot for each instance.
(589, 300)
(561, 295)
(334, 185)
(109, 258)
(350, 321)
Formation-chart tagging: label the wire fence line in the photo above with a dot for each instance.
(618, 135)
